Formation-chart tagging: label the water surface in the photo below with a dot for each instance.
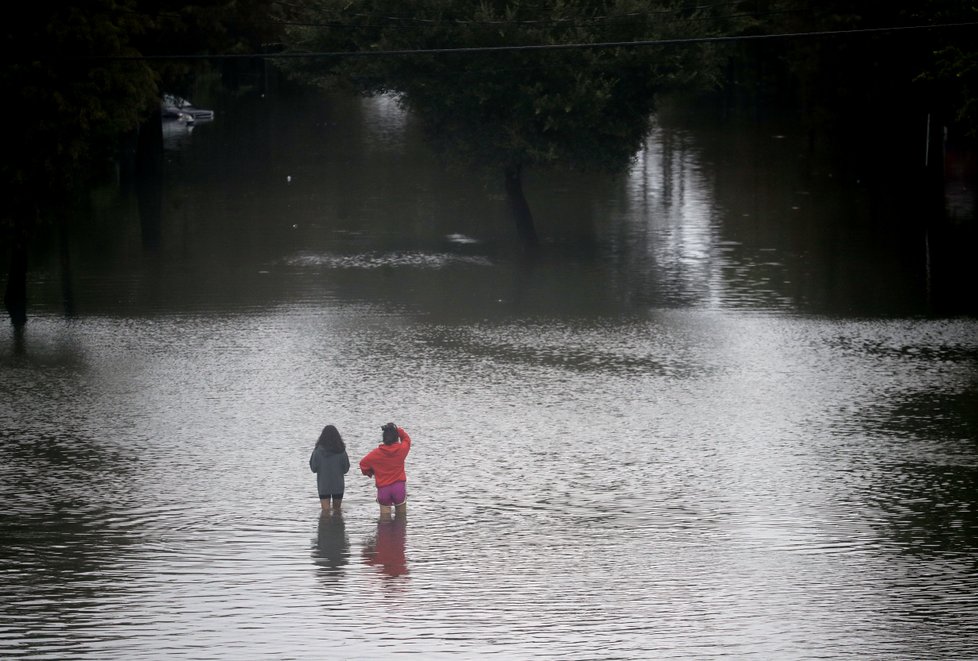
(724, 416)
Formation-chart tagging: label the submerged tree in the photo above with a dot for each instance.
(509, 85)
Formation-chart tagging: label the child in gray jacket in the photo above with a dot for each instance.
(330, 463)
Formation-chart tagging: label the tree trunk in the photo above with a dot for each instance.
(149, 146)
(149, 180)
(149, 199)
(15, 295)
(520, 210)
(67, 290)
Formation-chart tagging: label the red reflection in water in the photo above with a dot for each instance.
(386, 550)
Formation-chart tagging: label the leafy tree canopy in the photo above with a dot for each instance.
(67, 103)
(512, 84)
(883, 59)
(72, 73)
(579, 107)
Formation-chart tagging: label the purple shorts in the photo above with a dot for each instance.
(392, 494)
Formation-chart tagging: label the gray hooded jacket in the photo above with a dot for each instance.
(329, 469)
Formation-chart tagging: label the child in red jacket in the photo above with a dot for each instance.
(385, 463)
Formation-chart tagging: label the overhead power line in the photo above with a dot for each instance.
(546, 47)
(414, 22)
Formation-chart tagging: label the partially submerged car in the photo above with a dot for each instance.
(175, 107)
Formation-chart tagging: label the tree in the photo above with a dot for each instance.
(70, 110)
(875, 65)
(553, 98)
(79, 86)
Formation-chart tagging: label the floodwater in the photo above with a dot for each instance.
(730, 413)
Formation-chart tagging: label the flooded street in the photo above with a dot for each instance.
(728, 414)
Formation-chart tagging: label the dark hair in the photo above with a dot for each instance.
(330, 440)
(390, 435)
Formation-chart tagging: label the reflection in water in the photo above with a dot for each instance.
(383, 261)
(385, 550)
(332, 550)
(671, 221)
(176, 134)
(385, 119)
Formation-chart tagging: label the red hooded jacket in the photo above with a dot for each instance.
(385, 463)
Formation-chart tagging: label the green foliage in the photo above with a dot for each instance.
(76, 83)
(68, 106)
(879, 64)
(204, 27)
(581, 107)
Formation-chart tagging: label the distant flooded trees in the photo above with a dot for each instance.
(505, 86)
(76, 87)
(65, 113)
(508, 85)
(893, 55)
(500, 85)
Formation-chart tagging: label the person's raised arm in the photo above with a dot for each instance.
(405, 439)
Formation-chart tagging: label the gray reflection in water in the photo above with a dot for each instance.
(332, 550)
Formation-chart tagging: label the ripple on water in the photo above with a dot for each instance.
(376, 260)
(682, 485)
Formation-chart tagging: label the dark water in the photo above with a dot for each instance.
(731, 413)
